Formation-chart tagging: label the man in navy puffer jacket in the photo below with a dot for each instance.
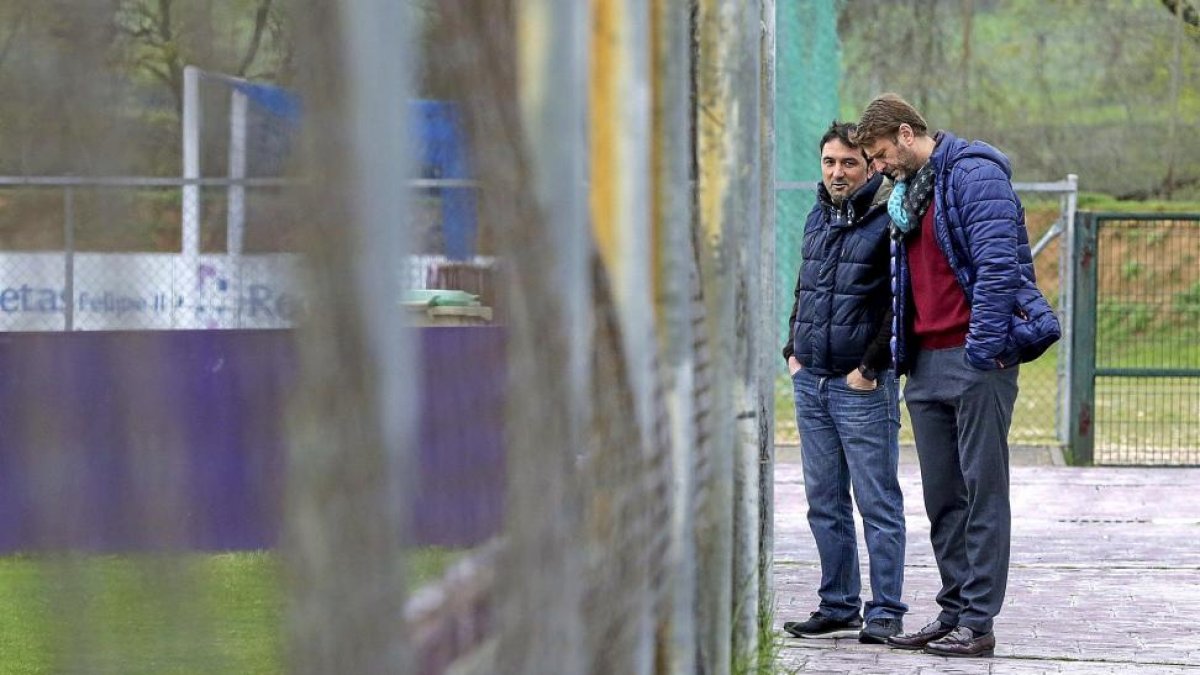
(847, 406)
(966, 313)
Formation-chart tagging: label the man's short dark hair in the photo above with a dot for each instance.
(842, 131)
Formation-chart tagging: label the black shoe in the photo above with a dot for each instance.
(819, 625)
(963, 641)
(879, 629)
(934, 630)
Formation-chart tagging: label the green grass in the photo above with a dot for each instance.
(785, 412)
(1161, 348)
(1094, 201)
(172, 614)
(191, 613)
(1034, 412)
(766, 660)
(1148, 420)
(426, 565)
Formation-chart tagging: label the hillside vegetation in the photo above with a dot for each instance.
(1106, 89)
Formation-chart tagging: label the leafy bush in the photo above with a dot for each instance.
(1187, 305)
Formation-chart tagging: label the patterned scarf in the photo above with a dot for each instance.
(910, 199)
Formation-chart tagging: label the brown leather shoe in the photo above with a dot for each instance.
(934, 630)
(963, 641)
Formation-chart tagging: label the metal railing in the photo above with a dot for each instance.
(110, 280)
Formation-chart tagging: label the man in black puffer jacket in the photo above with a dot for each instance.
(847, 404)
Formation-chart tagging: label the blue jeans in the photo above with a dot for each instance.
(850, 437)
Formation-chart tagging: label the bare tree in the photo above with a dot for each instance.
(163, 36)
(1098, 88)
(1186, 13)
(148, 25)
(14, 28)
(261, 16)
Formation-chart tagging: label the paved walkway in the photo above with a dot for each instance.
(1105, 574)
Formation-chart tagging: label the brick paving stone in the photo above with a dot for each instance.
(1105, 575)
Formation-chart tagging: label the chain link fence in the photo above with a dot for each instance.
(1137, 401)
(85, 254)
(288, 419)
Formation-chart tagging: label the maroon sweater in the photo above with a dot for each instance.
(940, 312)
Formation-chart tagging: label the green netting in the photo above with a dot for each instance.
(808, 66)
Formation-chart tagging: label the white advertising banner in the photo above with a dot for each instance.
(148, 291)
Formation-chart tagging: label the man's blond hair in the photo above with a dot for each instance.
(884, 115)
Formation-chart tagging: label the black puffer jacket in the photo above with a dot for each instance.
(842, 315)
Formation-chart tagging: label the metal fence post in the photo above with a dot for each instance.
(190, 216)
(766, 334)
(1066, 290)
(747, 75)
(717, 211)
(620, 180)
(235, 229)
(551, 42)
(348, 459)
(69, 259)
(1082, 437)
(672, 209)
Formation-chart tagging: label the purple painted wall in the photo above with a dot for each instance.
(460, 487)
(114, 441)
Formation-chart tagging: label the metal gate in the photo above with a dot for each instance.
(1135, 383)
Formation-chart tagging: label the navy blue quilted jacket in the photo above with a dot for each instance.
(980, 226)
(841, 317)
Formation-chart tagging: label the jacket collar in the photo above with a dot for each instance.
(950, 149)
(945, 147)
(870, 195)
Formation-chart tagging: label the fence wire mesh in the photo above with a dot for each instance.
(810, 49)
(103, 253)
(367, 392)
(1147, 388)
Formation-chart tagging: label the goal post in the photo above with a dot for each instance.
(253, 122)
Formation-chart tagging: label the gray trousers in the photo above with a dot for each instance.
(960, 419)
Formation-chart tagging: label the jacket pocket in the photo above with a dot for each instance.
(1009, 358)
(1034, 327)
